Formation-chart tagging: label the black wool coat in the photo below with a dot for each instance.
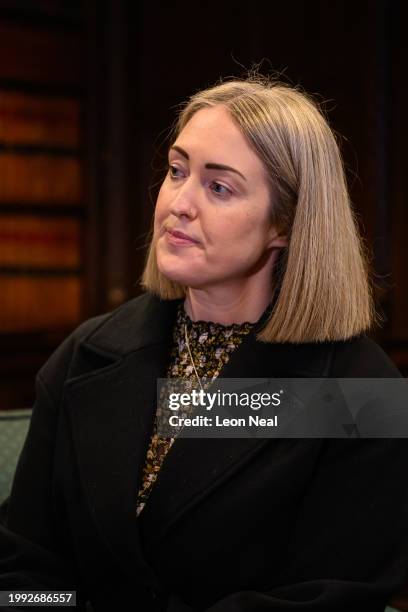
(232, 525)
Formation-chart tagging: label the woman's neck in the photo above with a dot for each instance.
(226, 307)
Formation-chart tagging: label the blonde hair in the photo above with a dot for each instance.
(320, 281)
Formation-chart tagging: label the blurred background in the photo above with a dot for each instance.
(88, 90)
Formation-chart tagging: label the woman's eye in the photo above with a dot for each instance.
(174, 172)
(219, 189)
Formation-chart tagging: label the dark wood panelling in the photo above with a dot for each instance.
(398, 194)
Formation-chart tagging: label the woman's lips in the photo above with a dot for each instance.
(179, 238)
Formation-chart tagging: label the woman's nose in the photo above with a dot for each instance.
(183, 202)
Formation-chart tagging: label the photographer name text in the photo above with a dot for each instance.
(217, 421)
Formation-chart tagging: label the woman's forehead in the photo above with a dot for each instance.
(211, 133)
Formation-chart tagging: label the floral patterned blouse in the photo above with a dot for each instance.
(211, 345)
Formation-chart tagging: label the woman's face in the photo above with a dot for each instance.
(212, 215)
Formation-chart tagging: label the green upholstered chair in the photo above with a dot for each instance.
(13, 430)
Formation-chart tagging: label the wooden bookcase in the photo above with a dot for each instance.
(42, 202)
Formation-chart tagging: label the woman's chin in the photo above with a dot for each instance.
(177, 275)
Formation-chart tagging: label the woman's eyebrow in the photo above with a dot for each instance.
(209, 165)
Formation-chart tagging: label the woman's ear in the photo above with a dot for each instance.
(276, 239)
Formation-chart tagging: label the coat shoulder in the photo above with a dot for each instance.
(108, 326)
(361, 357)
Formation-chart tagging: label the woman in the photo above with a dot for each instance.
(255, 270)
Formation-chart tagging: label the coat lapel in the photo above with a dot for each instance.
(110, 401)
(111, 416)
(112, 410)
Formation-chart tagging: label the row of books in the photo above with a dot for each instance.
(43, 55)
(40, 255)
(29, 303)
(39, 120)
(30, 241)
(39, 179)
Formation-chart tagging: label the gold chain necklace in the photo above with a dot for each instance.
(191, 357)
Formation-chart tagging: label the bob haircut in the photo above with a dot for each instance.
(321, 290)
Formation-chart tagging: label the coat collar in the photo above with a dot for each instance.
(110, 402)
(147, 321)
